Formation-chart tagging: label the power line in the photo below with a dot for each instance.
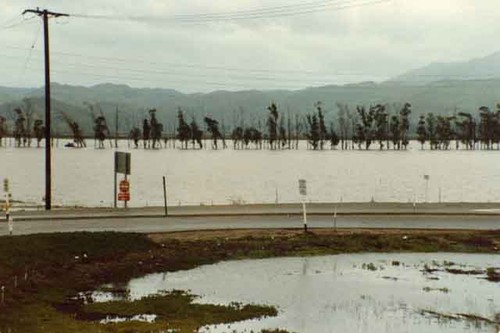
(16, 24)
(30, 52)
(332, 5)
(128, 61)
(162, 73)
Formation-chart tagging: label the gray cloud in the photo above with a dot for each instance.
(327, 47)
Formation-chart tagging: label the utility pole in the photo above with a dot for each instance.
(45, 15)
(116, 127)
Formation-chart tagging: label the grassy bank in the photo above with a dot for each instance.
(41, 273)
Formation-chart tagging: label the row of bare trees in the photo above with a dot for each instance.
(357, 129)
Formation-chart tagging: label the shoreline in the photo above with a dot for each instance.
(283, 209)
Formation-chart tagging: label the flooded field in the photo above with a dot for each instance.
(375, 293)
(84, 177)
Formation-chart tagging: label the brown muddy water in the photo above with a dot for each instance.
(84, 177)
(377, 293)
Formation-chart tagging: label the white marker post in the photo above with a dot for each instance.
(6, 205)
(426, 178)
(11, 225)
(303, 193)
(335, 218)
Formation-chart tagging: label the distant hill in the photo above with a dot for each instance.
(481, 68)
(438, 88)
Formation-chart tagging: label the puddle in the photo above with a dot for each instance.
(346, 293)
(148, 318)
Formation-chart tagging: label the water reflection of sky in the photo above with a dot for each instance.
(340, 294)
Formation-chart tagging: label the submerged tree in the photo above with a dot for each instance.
(237, 137)
(39, 131)
(466, 129)
(323, 133)
(282, 133)
(213, 129)
(135, 135)
(183, 129)
(156, 129)
(196, 133)
(444, 131)
(146, 133)
(334, 138)
(272, 124)
(381, 123)
(100, 127)
(364, 130)
(3, 129)
(431, 123)
(314, 131)
(75, 130)
(101, 130)
(405, 124)
(421, 131)
(252, 135)
(20, 128)
(395, 129)
(488, 127)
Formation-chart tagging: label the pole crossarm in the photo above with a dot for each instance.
(41, 12)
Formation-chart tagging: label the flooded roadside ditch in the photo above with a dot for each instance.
(220, 281)
(436, 292)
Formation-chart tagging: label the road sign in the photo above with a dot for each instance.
(124, 196)
(122, 162)
(302, 187)
(124, 186)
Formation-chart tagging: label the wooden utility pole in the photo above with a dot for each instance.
(116, 127)
(45, 15)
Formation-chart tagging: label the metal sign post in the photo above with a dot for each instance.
(165, 195)
(426, 178)
(122, 165)
(303, 193)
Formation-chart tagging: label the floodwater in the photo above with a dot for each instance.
(376, 293)
(84, 177)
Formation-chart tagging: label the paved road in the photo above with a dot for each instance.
(162, 224)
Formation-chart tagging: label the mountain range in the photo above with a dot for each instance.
(442, 88)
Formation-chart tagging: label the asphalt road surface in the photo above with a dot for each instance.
(162, 224)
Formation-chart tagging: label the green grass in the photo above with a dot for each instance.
(54, 274)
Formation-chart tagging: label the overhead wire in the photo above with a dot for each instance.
(271, 12)
(175, 65)
(16, 24)
(30, 52)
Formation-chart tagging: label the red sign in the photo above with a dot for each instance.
(124, 196)
(124, 186)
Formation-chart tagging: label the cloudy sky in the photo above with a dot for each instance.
(194, 45)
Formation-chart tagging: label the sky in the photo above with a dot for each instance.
(202, 46)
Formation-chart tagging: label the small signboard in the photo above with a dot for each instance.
(302, 187)
(122, 162)
(124, 196)
(124, 186)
